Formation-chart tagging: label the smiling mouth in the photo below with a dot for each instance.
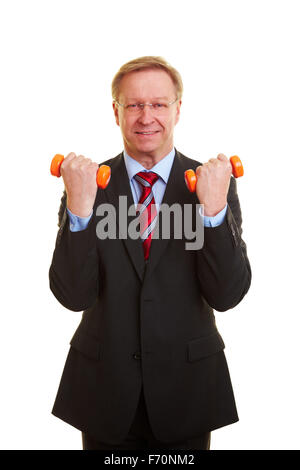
(147, 133)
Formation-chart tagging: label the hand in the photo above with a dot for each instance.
(213, 180)
(79, 175)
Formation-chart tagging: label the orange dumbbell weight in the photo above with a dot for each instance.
(191, 178)
(103, 174)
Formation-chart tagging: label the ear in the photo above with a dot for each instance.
(178, 106)
(116, 112)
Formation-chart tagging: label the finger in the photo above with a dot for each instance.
(81, 158)
(198, 170)
(222, 157)
(213, 161)
(86, 162)
(70, 156)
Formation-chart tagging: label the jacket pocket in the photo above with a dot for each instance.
(204, 347)
(86, 344)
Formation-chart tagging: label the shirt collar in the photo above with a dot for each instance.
(162, 168)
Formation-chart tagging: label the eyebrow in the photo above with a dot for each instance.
(157, 98)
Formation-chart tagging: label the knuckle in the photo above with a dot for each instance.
(82, 166)
(74, 163)
(70, 156)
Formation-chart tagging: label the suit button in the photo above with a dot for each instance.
(137, 356)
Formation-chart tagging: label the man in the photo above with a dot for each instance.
(146, 367)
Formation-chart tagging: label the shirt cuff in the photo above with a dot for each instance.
(78, 223)
(214, 221)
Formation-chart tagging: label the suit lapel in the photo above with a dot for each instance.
(119, 186)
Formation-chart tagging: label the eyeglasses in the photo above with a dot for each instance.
(156, 108)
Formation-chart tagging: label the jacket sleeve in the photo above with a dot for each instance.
(223, 267)
(73, 274)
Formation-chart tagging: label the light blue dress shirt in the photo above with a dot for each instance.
(163, 169)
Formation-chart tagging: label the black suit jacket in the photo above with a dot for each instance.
(148, 324)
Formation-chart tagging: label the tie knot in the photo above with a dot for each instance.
(146, 178)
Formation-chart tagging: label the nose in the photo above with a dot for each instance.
(146, 116)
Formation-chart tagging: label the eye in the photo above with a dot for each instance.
(132, 106)
(158, 106)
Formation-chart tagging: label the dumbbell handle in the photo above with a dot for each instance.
(103, 173)
(191, 178)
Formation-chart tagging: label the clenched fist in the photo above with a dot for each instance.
(79, 175)
(213, 180)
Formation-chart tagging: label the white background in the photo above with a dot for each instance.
(239, 62)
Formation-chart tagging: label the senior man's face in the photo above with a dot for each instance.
(147, 132)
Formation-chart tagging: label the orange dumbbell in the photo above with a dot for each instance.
(103, 174)
(191, 178)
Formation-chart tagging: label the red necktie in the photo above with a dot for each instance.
(147, 208)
